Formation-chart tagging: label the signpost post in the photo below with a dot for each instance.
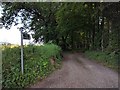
(22, 63)
(23, 36)
(1, 26)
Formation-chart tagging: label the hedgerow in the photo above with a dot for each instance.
(37, 64)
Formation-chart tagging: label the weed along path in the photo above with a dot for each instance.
(80, 72)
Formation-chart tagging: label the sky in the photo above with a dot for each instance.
(13, 35)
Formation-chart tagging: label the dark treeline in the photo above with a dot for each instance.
(87, 26)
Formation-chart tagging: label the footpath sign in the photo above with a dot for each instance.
(26, 36)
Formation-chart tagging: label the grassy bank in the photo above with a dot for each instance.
(108, 59)
(39, 62)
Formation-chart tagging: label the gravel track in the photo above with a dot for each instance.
(79, 72)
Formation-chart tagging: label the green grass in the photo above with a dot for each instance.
(37, 64)
(108, 59)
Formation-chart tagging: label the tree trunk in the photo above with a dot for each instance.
(102, 33)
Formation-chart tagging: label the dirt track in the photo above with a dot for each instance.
(79, 72)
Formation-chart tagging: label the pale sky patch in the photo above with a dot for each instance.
(12, 35)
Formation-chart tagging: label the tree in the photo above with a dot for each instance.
(85, 25)
(38, 17)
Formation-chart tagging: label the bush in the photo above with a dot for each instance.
(107, 59)
(36, 64)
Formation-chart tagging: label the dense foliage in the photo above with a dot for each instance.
(85, 26)
(37, 64)
(108, 59)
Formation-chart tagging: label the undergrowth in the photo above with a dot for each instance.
(37, 64)
(108, 59)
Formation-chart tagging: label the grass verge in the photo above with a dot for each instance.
(108, 59)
